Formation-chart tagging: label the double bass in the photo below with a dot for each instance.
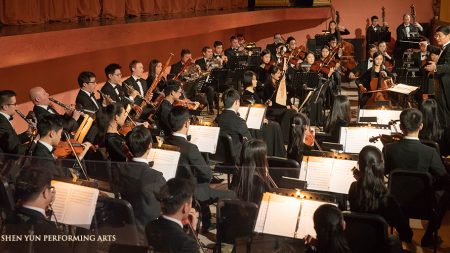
(347, 60)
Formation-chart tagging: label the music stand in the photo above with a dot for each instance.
(299, 79)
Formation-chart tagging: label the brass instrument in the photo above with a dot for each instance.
(183, 69)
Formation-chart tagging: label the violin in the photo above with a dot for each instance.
(268, 65)
(321, 67)
(63, 149)
(386, 139)
(296, 55)
(187, 103)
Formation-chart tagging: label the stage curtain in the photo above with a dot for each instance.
(16, 12)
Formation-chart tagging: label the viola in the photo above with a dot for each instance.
(320, 66)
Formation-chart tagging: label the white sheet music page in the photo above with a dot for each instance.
(205, 137)
(342, 176)
(304, 168)
(282, 215)
(255, 117)
(306, 224)
(403, 88)
(319, 173)
(383, 116)
(74, 204)
(165, 161)
(355, 138)
(243, 111)
(262, 213)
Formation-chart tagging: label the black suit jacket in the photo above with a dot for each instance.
(401, 31)
(230, 123)
(169, 237)
(108, 89)
(130, 81)
(192, 165)
(176, 68)
(22, 221)
(138, 183)
(230, 52)
(86, 102)
(10, 142)
(44, 158)
(442, 75)
(415, 156)
(69, 124)
(162, 116)
(202, 63)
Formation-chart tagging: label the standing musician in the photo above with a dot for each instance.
(113, 88)
(34, 195)
(364, 82)
(373, 31)
(441, 71)
(42, 107)
(10, 141)
(333, 29)
(135, 82)
(205, 64)
(404, 31)
(86, 94)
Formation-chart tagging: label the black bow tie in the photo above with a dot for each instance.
(92, 95)
(188, 137)
(11, 117)
(370, 60)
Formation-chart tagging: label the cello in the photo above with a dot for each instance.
(379, 86)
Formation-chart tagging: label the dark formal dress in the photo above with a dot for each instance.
(362, 67)
(207, 89)
(114, 143)
(69, 124)
(273, 50)
(162, 116)
(230, 123)
(138, 183)
(169, 237)
(259, 187)
(138, 84)
(389, 209)
(365, 80)
(24, 220)
(43, 157)
(10, 141)
(402, 35)
(88, 102)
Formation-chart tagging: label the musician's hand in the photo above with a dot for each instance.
(241, 48)
(293, 107)
(383, 74)
(134, 93)
(362, 89)
(331, 71)
(341, 28)
(146, 124)
(107, 100)
(265, 121)
(431, 66)
(192, 218)
(196, 105)
(309, 240)
(269, 102)
(76, 115)
(86, 145)
(356, 173)
(351, 76)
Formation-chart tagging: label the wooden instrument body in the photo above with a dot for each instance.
(63, 149)
(381, 96)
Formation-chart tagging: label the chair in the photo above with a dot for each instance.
(418, 201)
(116, 217)
(235, 219)
(279, 167)
(225, 158)
(432, 144)
(368, 233)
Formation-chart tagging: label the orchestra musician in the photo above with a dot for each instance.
(263, 69)
(301, 137)
(33, 195)
(10, 141)
(219, 53)
(382, 48)
(186, 57)
(363, 66)
(310, 58)
(86, 95)
(205, 64)
(166, 234)
(42, 107)
(340, 116)
(404, 32)
(277, 39)
(373, 30)
(154, 69)
(441, 71)
(172, 93)
(136, 82)
(192, 165)
(235, 48)
(377, 71)
(113, 88)
(138, 182)
(335, 30)
(291, 44)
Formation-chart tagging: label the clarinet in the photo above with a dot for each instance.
(66, 107)
(29, 122)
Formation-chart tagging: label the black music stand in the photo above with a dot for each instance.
(299, 79)
(236, 61)
(316, 105)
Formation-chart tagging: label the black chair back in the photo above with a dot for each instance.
(432, 144)
(279, 167)
(366, 233)
(116, 216)
(414, 192)
(6, 198)
(235, 219)
(225, 153)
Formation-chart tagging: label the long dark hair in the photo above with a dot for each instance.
(370, 185)
(329, 226)
(105, 117)
(152, 68)
(253, 163)
(299, 122)
(340, 110)
(431, 128)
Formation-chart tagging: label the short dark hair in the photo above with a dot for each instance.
(273, 69)
(177, 117)
(31, 182)
(175, 193)
(229, 97)
(184, 52)
(205, 48)
(138, 140)
(373, 18)
(49, 123)
(172, 85)
(370, 46)
(233, 38)
(410, 120)
(5, 96)
(264, 52)
(240, 35)
(332, 38)
(445, 29)
(85, 77)
(133, 64)
(289, 39)
(247, 80)
(111, 68)
(218, 43)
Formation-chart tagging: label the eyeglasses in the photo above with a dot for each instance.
(51, 189)
(439, 35)
(120, 74)
(96, 81)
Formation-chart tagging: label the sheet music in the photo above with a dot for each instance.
(74, 204)
(205, 137)
(165, 161)
(403, 88)
(342, 176)
(306, 224)
(262, 213)
(355, 138)
(383, 116)
(303, 168)
(282, 212)
(255, 117)
(318, 173)
(243, 111)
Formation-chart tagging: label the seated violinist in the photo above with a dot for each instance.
(364, 65)
(324, 65)
(310, 58)
(263, 69)
(365, 82)
(172, 94)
